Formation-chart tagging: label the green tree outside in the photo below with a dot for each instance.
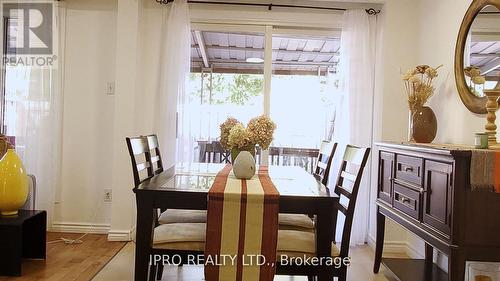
(237, 89)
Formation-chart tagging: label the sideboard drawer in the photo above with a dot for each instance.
(407, 200)
(409, 169)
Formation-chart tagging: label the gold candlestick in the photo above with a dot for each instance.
(492, 107)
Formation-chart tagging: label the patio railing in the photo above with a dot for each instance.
(213, 152)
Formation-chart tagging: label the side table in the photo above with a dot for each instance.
(22, 236)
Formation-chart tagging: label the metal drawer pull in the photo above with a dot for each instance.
(406, 200)
(409, 169)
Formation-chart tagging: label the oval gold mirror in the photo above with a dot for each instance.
(477, 54)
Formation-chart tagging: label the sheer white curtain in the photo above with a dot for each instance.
(34, 106)
(354, 115)
(171, 121)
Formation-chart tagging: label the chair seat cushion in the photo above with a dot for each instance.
(183, 216)
(297, 228)
(299, 243)
(180, 236)
(182, 246)
(302, 221)
(180, 232)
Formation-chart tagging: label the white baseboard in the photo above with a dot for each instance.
(121, 235)
(396, 247)
(413, 252)
(404, 247)
(71, 227)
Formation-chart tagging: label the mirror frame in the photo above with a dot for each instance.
(472, 102)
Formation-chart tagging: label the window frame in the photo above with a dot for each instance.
(268, 30)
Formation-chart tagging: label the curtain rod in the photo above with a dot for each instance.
(269, 6)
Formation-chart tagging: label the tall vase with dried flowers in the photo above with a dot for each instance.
(237, 138)
(419, 88)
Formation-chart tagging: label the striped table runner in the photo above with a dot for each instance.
(242, 225)
(485, 170)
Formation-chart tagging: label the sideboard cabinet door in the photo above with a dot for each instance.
(438, 195)
(386, 176)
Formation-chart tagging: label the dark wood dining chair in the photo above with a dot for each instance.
(213, 152)
(321, 173)
(292, 243)
(177, 232)
(146, 162)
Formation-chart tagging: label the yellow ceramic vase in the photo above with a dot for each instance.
(13, 184)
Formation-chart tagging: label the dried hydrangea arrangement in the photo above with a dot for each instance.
(239, 138)
(259, 131)
(418, 85)
(225, 129)
(474, 73)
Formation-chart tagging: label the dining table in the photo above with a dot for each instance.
(186, 186)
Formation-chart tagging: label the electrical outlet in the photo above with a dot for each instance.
(108, 195)
(110, 88)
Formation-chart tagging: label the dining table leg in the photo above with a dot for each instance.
(324, 237)
(144, 236)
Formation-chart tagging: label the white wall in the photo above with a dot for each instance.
(88, 115)
(396, 50)
(128, 92)
(455, 123)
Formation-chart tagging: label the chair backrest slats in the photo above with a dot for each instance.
(354, 155)
(155, 159)
(348, 176)
(155, 154)
(145, 155)
(324, 161)
(344, 192)
(142, 166)
(321, 165)
(347, 187)
(153, 141)
(138, 145)
(341, 208)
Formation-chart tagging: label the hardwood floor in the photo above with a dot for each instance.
(89, 261)
(70, 262)
(121, 268)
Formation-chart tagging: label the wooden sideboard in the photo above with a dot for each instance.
(426, 189)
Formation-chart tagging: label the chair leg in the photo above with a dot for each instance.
(343, 275)
(159, 272)
(152, 272)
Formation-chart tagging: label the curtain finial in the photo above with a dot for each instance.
(372, 11)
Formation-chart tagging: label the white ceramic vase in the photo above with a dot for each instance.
(244, 166)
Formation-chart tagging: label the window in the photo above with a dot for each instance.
(228, 79)
(303, 84)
